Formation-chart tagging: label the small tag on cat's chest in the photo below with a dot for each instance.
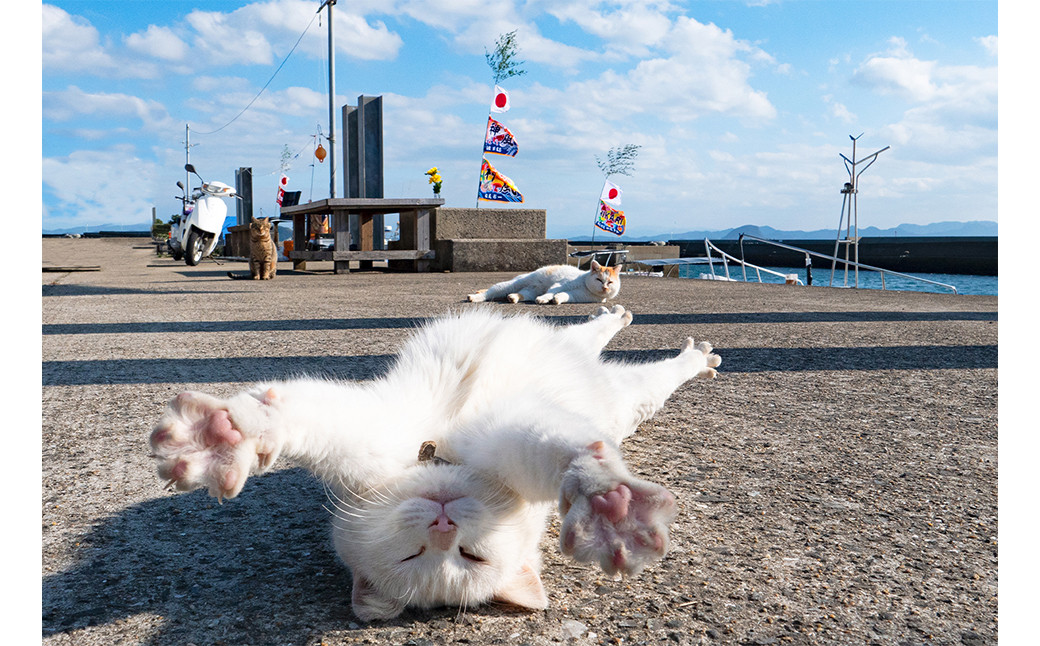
(427, 453)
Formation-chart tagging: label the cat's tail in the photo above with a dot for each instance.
(238, 276)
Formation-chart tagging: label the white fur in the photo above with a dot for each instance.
(526, 413)
(556, 284)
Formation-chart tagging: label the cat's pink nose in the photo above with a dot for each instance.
(442, 524)
(442, 532)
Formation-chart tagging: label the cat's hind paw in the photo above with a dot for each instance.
(198, 444)
(611, 517)
(476, 298)
(543, 299)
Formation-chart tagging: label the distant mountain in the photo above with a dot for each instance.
(942, 229)
(938, 229)
(95, 228)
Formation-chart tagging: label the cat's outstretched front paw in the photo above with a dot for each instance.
(623, 316)
(611, 517)
(701, 354)
(199, 442)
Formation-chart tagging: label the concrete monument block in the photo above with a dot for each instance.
(470, 224)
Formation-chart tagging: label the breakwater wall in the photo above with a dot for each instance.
(933, 255)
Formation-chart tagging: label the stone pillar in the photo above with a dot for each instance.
(244, 188)
(363, 162)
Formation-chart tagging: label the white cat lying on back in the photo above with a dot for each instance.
(520, 413)
(557, 284)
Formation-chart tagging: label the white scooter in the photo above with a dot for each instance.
(194, 234)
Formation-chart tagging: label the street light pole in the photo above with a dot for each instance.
(332, 101)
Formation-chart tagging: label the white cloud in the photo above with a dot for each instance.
(456, 15)
(902, 75)
(630, 29)
(111, 186)
(73, 103)
(159, 42)
(839, 110)
(989, 43)
(954, 107)
(220, 39)
(71, 45)
(700, 73)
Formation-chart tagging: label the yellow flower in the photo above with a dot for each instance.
(432, 171)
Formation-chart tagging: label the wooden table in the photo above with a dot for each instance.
(414, 244)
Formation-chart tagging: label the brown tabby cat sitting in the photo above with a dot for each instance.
(263, 256)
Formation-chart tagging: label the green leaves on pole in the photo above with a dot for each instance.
(619, 161)
(503, 61)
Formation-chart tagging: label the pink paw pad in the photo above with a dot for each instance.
(613, 505)
(197, 444)
(219, 430)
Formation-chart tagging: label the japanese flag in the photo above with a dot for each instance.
(611, 193)
(282, 183)
(501, 101)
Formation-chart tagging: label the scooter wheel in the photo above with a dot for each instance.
(194, 248)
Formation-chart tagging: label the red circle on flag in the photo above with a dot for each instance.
(500, 100)
(612, 193)
(284, 181)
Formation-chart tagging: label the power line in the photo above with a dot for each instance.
(284, 61)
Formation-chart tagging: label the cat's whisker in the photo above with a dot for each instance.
(354, 533)
(336, 511)
(345, 507)
(462, 607)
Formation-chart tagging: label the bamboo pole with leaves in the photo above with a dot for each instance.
(503, 61)
(504, 65)
(620, 161)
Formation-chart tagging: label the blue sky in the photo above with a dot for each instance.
(741, 109)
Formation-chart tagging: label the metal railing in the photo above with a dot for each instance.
(834, 260)
(709, 247)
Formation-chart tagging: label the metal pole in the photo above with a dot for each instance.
(187, 176)
(855, 211)
(595, 219)
(332, 104)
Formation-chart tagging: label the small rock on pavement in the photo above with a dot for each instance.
(573, 629)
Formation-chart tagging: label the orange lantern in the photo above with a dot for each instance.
(320, 154)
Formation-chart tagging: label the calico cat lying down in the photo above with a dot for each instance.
(443, 471)
(556, 284)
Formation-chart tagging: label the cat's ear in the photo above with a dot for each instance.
(370, 604)
(595, 266)
(524, 590)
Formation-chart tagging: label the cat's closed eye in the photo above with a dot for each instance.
(416, 555)
(470, 557)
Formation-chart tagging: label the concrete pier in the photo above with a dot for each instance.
(837, 484)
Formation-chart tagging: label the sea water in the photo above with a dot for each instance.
(821, 276)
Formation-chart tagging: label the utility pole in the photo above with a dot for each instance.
(187, 160)
(332, 101)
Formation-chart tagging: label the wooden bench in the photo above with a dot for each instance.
(415, 215)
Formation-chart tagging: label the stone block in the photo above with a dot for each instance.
(485, 224)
